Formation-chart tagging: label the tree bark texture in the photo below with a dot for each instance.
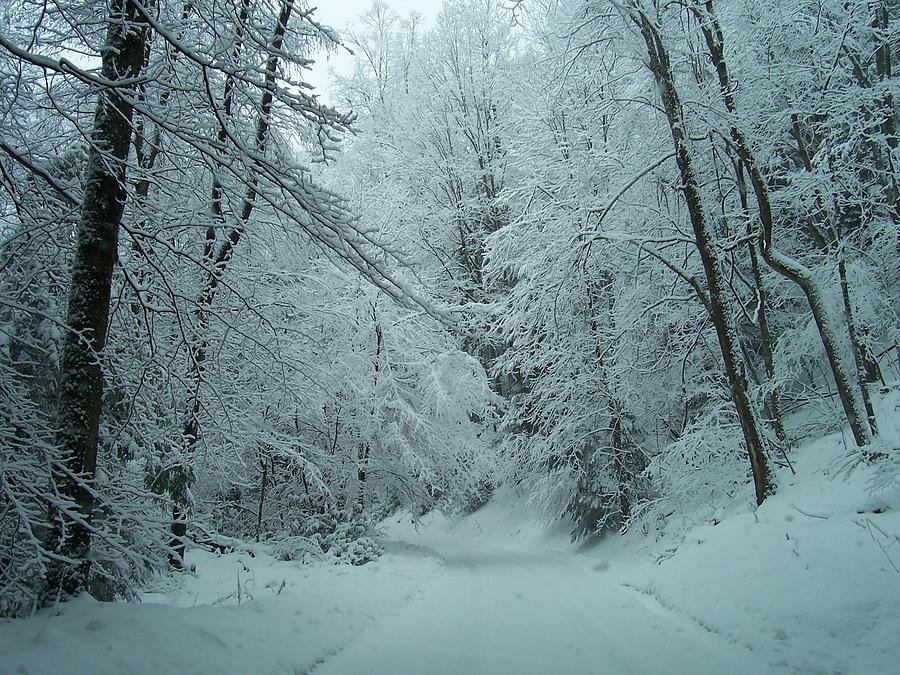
(81, 378)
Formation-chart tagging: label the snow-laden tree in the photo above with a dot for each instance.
(817, 162)
(122, 52)
(199, 153)
(572, 428)
(719, 301)
(362, 406)
(434, 140)
(63, 174)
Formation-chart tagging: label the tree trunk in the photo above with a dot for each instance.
(704, 237)
(81, 379)
(619, 466)
(178, 543)
(363, 461)
(218, 260)
(856, 345)
(262, 497)
(767, 343)
(773, 400)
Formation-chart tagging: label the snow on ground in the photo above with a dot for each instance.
(513, 598)
(287, 618)
(808, 583)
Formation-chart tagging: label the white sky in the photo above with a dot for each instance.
(339, 13)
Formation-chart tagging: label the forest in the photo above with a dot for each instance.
(621, 256)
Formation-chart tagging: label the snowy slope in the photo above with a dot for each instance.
(810, 581)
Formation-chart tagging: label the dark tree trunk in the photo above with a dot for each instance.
(597, 289)
(81, 379)
(858, 358)
(178, 543)
(363, 462)
(704, 238)
(262, 497)
(619, 466)
(767, 342)
(218, 260)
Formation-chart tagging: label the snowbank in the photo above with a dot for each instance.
(238, 614)
(810, 581)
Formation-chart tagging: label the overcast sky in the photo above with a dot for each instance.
(339, 13)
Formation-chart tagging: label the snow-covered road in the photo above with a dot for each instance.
(808, 584)
(490, 610)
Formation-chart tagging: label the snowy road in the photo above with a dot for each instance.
(767, 591)
(498, 611)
